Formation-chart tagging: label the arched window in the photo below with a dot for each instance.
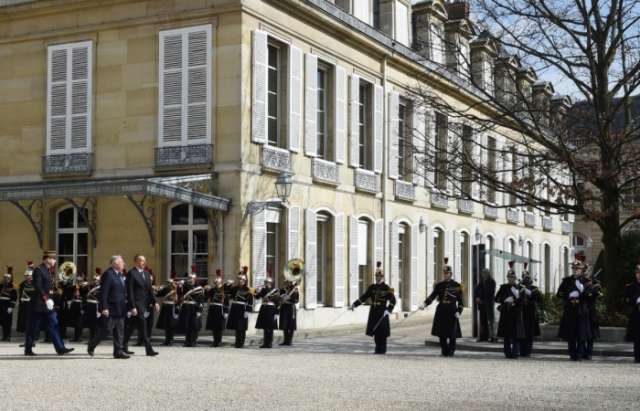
(404, 260)
(365, 254)
(325, 258)
(72, 238)
(489, 246)
(547, 268)
(438, 253)
(189, 240)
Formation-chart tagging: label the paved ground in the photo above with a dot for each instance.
(326, 372)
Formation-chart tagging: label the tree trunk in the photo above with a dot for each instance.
(611, 276)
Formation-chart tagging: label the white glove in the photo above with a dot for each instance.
(97, 315)
(9, 310)
(198, 315)
(81, 312)
(386, 313)
(508, 300)
(226, 316)
(49, 304)
(146, 314)
(457, 314)
(574, 294)
(275, 317)
(352, 307)
(638, 300)
(246, 315)
(579, 286)
(527, 291)
(128, 314)
(176, 316)
(515, 292)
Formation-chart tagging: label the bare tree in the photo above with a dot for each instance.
(513, 137)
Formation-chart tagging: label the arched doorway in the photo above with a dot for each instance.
(188, 240)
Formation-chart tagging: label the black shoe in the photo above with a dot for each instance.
(167, 343)
(282, 343)
(65, 350)
(152, 353)
(29, 353)
(121, 356)
(265, 346)
(90, 351)
(126, 351)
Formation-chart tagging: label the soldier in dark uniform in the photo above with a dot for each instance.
(267, 320)
(91, 316)
(43, 306)
(8, 298)
(485, 298)
(218, 309)
(382, 302)
(446, 324)
(74, 313)
(191, 309)
(288, 313)
(593, 291)
(530, 300)
(25, 291)
(510, 325)
(632, 300)
(169, 310)
(575, 327)
(241, 306)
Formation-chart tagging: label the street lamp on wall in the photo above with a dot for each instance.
(283, 184)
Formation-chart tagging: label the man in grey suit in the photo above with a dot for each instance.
(113, 308)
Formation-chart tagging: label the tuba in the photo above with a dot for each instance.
(294, 270)
(68, 272)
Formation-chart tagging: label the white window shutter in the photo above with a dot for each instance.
(338, 260)
(354, 274)
(197, 91)
(394, 108)
(81, 84)
(310, 105)
(259, 97)
(457, 250)
(295, 98)
(340, 115)
(259, 247)
(170, 88)
(378, 128)
(69, 97)
(414, 267)
(395, 264)
(311, 259)
(293, 233)
(430, 259)
(417, 142)
(354, 130)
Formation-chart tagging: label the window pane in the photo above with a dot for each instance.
(180, 215)
(65, 218)
(65, 244)
(179, 241)
(201, 262)
(199, 216)
(82, 264)
(273, 131)
(180, 265)
(200, 241)
(273, 80)
(273, 105)
(83, 244)
(81, 222)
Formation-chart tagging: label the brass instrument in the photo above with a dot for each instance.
(294, 271)
(68, 272)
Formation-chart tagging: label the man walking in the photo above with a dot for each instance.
(485, 298)
(113, 307)
(140, 302)
(42, 306)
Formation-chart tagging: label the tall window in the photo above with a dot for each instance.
(189, 240)
(547, 267)
(72, 238)
(489, 246)
(467, 173)
(365, 253)
(324, 112)
(274, 95)
(442, 125)
(364, 124)
(438, 253)
(272, 250)
(324, 242)
(376, 14)
(403, 261)
(404, 143)
(491, 169)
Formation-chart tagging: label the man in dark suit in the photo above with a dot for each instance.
(113, 308)
(140, 302)
(41, 306)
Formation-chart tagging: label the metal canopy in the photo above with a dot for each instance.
(172, 188)
(511, 257)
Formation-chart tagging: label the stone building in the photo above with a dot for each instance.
(160, 127)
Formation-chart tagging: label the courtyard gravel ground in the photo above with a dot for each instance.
(320, 373)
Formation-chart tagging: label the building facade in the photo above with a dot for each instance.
(160, 127)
